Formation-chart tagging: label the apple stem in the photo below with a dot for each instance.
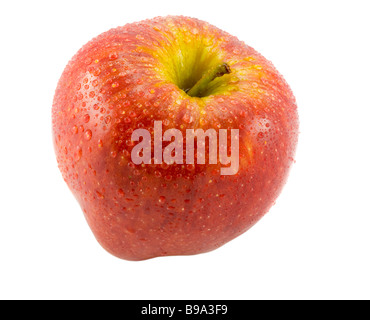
(207, 78)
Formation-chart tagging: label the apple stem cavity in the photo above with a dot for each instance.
(201, 86)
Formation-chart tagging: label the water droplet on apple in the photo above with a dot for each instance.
(86, 118)
(113, 56)
(100, 195)
(157, 174)
(88, 135)
(162, 199)
(168, 177)
(190, 167)
(78, 154)
(187, 118)
(96, 72)
(130, 230)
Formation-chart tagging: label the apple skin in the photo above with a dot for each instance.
(131, 76)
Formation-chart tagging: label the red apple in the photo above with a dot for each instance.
(183, 74)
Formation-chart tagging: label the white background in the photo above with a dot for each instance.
(313, 244)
